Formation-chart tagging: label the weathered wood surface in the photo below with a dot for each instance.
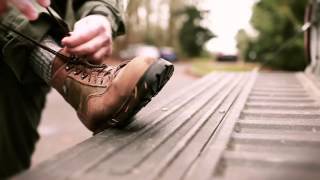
(225, 126)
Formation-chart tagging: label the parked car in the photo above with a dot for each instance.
(168, 54)
(227, 57)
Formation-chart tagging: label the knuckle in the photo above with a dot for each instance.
(107, 40)
(90, 49)
(104, 42)
(81, 36)
(24, 9)
(99, 55)
(68, 43)
(109, 52)
(95, 57)
(100, 29)
(73, 50)
(110, 40)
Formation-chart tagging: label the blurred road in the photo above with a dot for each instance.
(60, 128)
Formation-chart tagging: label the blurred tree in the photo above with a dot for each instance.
(243, 41)
(174, 25)
(160, 22)
(276, 23)
(193, 36)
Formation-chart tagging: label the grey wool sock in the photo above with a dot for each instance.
(41, 60)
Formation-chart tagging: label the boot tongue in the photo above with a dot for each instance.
(59, 62)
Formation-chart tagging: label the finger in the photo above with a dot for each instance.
(3, 6)
(100, 55)
(80, 37)
(26, 8)
(91, 46)
(109, 52)
(44, 3)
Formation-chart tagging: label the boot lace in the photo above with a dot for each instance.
(86, 70)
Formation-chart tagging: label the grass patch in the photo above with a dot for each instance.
(204, 66)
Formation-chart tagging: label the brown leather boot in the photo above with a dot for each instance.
(107, 96)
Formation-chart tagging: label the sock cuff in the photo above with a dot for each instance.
(41, 60)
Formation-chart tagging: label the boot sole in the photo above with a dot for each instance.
(149, 85)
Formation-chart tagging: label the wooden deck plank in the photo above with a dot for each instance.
(220, 127)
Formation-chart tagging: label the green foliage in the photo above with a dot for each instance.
(243, 41)
(193, 36)
(276, 23)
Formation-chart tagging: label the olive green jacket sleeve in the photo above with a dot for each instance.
(15, 50)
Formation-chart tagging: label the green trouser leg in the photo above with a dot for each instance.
(20, 110)
(22, 93)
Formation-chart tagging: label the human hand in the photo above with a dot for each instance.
(24, 6)
(91, 38)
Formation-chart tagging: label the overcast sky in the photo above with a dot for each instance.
(225, 19)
